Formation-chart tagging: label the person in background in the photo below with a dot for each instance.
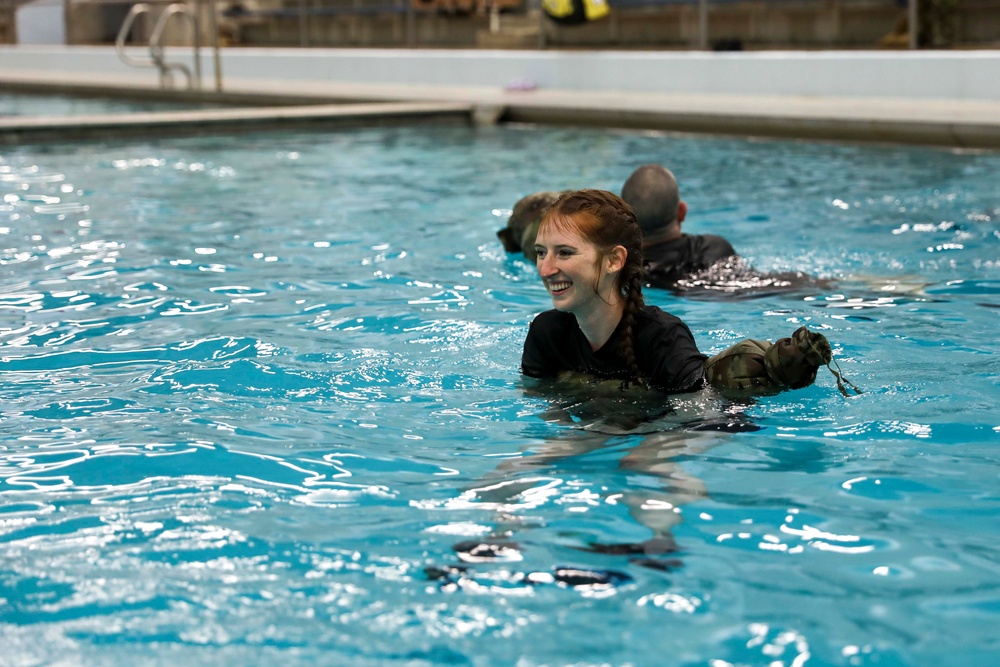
(671, 255)
(697, 265)
(519, 233)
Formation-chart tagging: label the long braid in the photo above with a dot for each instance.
(633, 304)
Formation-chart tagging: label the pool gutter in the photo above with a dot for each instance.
(58, 128)
(966, 125)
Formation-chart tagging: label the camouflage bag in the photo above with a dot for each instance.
(759, 367)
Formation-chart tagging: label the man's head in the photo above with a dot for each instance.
(652, 193)
(519, 234)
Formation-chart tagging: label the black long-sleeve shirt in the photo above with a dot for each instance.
(670, 261)
(665, 350)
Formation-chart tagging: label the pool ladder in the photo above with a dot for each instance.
(157, 57)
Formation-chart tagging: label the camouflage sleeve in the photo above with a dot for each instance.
(753, 366)
(741, 367)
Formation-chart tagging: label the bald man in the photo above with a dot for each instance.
(670, 254)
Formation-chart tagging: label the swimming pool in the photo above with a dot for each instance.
(256, 390)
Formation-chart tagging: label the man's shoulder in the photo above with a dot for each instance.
(713, 242)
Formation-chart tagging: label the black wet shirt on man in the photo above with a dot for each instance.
(665, 351)
(670, 261)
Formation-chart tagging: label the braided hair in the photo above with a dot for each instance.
(605, 220)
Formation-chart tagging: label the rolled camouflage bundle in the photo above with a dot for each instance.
(741, 367)
(757, 366)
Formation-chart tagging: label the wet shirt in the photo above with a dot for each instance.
(668, 262)
(665, 350)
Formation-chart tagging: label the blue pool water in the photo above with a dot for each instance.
(260, 394)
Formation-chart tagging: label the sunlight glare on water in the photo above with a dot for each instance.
(261, 402)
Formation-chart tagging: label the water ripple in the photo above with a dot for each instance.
(217, 348)
(257, 393)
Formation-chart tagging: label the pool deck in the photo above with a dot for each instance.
(908, 112)
(202, 121)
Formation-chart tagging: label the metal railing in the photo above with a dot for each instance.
(157, 54)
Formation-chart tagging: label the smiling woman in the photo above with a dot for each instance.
(589, 255)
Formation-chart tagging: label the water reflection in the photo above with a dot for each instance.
(644, 434)
(734, 279)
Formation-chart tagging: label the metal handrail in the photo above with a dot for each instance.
(157, 56)
(133, 13)
(156, 46)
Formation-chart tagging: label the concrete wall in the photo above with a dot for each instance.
(952, 75)
(754, 24)
(640, 23)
